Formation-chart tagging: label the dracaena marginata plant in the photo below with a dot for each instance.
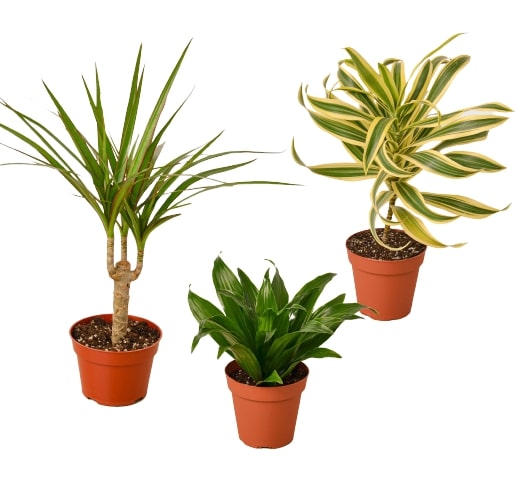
(130, 191)
(393, 130)
(265, 331)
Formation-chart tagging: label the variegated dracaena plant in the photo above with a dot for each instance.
(393, 130)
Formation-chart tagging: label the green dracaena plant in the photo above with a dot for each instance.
(393, 130)
(126, 186)
(262, 328)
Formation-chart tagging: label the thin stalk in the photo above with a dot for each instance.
(389, 217)
(110, 256)
(123, 242)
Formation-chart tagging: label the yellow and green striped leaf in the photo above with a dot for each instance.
(446, 76)
(416, 229)
(420, 85)
(372, 79)
(390, 167)
(375, 139)
(338, 109)
(389, 81)
(352, 87)
(476, 161)
(442, 45)
(345, 171)
(461, 205)
(398, 74)
(466, 126)
(438, 163)
(412, 199)
(346, 131)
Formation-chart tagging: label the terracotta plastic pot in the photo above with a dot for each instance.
(265, 416)
(386, 286)
(114, 378)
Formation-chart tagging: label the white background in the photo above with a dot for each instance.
(436, 394)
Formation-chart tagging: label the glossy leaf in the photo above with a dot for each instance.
(413, 199)
(416, 229)
(461, 205)
(375, 139)
(285, 331)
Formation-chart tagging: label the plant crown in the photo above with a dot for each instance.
(127, 187)
(393, 130)
(264, 330)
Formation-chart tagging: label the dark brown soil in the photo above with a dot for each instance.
(363, 244)
(97, 335)
(298, 373)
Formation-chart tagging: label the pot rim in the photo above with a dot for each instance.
(233, 365)
(369, 259)
(108, 317)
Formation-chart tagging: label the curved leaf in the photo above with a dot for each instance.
(323, 353)
(345, 131)
(416, 229)
(375, 138)
(344, 171)
(372, 79)
(390, 167)
(247, 360)
(335, 108)
(414, 200)
(461, 205)
(466, 126)
(438, 163)
(475, 161)
(445, 77)
(421, 83)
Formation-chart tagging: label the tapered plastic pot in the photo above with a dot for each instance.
(266, 417)
(114, 378)
(386, 286)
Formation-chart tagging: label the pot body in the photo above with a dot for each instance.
(114, 378)
(265, 416)
(386, 286)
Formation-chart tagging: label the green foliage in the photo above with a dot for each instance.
(127, 188)
(393, 130)
(267, 333)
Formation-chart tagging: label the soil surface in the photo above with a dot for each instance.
(298, 373)
(97, 335)
(363, 244)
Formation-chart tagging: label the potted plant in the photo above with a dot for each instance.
(393, 130)
(269, 336)
(131, 193)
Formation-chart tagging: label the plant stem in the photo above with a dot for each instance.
(123, 248)
(122, 278)
(389, 217)
(122, 275)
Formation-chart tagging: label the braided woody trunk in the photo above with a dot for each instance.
(122, 275)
